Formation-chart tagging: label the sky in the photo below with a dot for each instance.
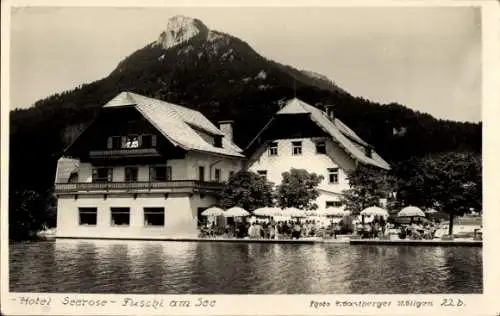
(426, 58)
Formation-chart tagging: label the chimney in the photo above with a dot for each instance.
(329, 111)
(227, 129)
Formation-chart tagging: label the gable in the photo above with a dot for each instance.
(342, 135)
(117, 122)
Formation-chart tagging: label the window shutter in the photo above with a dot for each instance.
(124, 141)
(139, 139)
(110, 175)
(110, 142)
(169, 173)
(153, 141)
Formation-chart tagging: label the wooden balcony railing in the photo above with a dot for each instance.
(124, 153)
(179, 186)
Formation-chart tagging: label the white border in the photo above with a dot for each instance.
(480, 304)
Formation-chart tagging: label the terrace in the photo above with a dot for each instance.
(177, 186)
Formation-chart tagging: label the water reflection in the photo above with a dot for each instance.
(237, 268)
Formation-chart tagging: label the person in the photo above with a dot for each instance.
(359, 228)
(237, 232)
(383, 224)
(265, 230)
(212, 229)
(272, 232)
(251, 230)
(403, 232)
(134, 143)
(259, 232)
(296, 231)
(286, 229)
(367, 230)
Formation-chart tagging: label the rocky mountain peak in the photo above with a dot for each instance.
(180, 29)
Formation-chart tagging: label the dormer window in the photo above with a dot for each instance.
(368, 152)
(218, 141)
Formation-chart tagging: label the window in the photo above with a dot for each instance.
(218, 141)
(158, 174)
(368, 152)
(102, 174)
(296, 148)
(114, 142)
(333, 175)
(231, 173)
(120, 216)
(333, 204)
(217, 175)
(154, 216)
(73, 177)
(146, 141)
(273, 149)
(262, 173)
(321, 147)
(131, 174)
(131, 141)
(88, 215)
(201, 173)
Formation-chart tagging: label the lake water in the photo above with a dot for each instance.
(145, 267)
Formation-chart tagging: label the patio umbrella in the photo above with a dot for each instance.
(374, 211)
(411, 211)
(213, 211)
(431, 211)
(293, 212)
(236, 211)
(312, 212)
(267, 211)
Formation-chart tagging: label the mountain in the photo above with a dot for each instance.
(224, 78)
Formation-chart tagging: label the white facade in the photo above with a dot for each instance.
(182, 169)
(180, 210)
(180, 216)
(320, 163)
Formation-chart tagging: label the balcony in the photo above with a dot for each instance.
(178, 186)
(124, 153)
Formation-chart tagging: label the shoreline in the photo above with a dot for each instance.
(343, 240)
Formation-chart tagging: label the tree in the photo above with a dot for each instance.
(298, 189)
(368, 185)
(450, 182)
(29, 212)
(247, 190)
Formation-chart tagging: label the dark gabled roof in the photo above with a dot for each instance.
(177, 123)
(339, 132)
